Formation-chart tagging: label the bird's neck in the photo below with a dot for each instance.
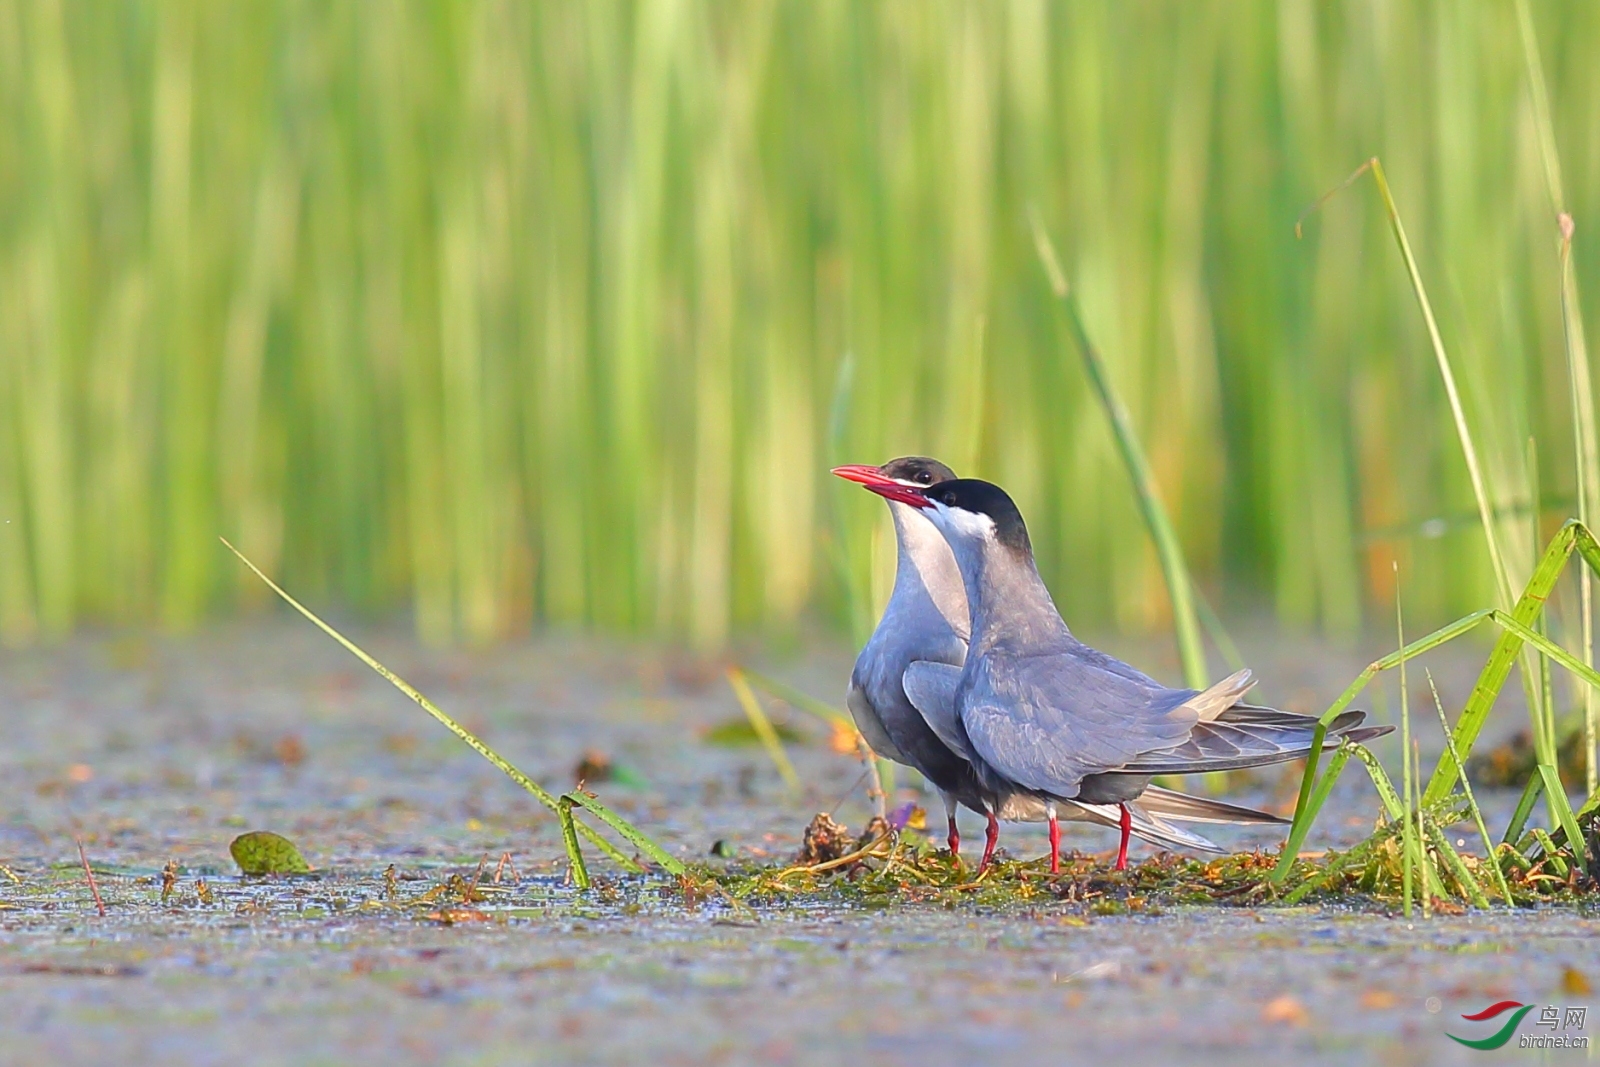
(1010, 604)
(926, 579)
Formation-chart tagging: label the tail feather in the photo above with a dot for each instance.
(1215, 701)
(1170, 804)
(1146, 827)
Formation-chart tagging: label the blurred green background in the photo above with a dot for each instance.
(521, 313)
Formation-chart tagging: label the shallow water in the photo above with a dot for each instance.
(155, 750)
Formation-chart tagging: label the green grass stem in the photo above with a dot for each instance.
(1472, 801)
(627, 831)
(1180, 588)
(1409, 844)
(540, 794)
(1516, 635)
(762, 725)
(1586, 452)
(1524, 808)
(799, 699)
(1469, 451)
(881, 772)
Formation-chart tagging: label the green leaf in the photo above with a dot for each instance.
(264, 852)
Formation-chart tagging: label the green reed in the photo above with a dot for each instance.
(523, 314)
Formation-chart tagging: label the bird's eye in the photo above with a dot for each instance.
(925, 477)
(950, 499)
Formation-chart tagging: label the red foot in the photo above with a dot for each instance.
(1055, 843)
(1122, 848)
(990, 838)
(954, 839)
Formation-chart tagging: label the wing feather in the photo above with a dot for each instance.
(1047, 721)
(931, 688)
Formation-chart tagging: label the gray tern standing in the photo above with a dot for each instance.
(1038, 713)
(927, 620)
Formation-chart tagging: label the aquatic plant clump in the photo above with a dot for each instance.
(905, 869)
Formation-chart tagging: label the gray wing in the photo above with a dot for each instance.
(871, 724)
(931, 688)
(1047, 721)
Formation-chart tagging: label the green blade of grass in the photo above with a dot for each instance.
(569, 838)
(1469, 451)
(1393, 807)
(762, 725)
(1586, 451)
(1507, 648)
(1409, 844)
(804, 701)
(1304, 811)
(1524, 808)
(505, 766)
(1432, 881)
(1325, 784)
(1458, 414)
(629, 832)
(1458, 868)
(1179, 587)
(1552, 851)
(1472, 801)
(1553, 791)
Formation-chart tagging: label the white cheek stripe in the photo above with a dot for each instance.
(967, 523)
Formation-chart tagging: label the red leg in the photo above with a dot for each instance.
(991, 837)
(1122, 848)
(954, 838)
(1055, 841)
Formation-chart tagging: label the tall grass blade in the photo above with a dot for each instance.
(1458, 868)
(880, 771)
(1472, 801)
(799, 698)
(1191, 651)
(540, 794)
(1555, 793)
(1586, 450)
(1524, 808)
(569, 838)
(1469, 451)
(764, 730)
(1409, 843)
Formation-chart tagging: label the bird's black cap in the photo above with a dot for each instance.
(918, 469)
(985, 498)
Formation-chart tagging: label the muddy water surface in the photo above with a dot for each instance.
(153, 751)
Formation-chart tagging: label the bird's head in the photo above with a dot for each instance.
(899, 479)
(970, 511)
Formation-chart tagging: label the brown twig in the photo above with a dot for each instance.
(88, 873)
(842, 861)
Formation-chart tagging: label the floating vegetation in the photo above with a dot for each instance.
(262, 852)
(892, 868)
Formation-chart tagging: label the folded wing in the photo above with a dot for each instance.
(1045, 722)
(931, 688)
